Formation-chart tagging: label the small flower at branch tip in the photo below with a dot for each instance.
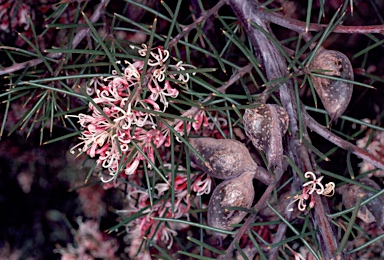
(329, 190)
(301, 198)
(313, 184)
(309, 187)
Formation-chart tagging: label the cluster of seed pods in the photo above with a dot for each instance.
(230, 161)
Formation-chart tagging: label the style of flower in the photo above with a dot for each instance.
(329, 190)
(301, 198)
(297, 255)
(309, 188)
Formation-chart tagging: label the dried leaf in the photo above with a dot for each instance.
(334, 94)
(237, 192)
(265, 126)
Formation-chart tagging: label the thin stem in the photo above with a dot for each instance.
(58, 55)
(244, 70)
(199, 20)
(328, 135)
(300, 26)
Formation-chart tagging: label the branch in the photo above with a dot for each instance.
(199, 20)
(275, 67)
(300, 26)
(242, 71)
(76, 40)
(328, 135)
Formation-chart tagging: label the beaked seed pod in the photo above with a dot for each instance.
(370, 212)
(237, 192)
(334, 94)
(224, 158)
(265, 126)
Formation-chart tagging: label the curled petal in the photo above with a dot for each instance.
(156, 106)
(329, 189)
(314, 185)
(310, 174)
(302, 206)
(172, 92)
(202, 186)
(132, 168)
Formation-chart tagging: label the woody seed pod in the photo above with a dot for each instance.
(224, 158)
(265, 126)
(237, 192)
(334, 94)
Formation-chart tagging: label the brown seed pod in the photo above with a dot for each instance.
(334, 94)
(372, 211)
(265, 126)
(224, 158)
(237, 192)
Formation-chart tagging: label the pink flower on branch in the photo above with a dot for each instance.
(146, 225)
(309, 188)
(115, 120)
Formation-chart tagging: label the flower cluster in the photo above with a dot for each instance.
(14, 14)
(90, 243)
(374, 143)
(146, 226)
(123, 128)
(309, 188)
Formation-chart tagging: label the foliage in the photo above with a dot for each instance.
(134, 80)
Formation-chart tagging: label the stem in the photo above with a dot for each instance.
(58, 55)
(242, 71)
(328, 135)
(193, 25)
(300, 26)
(275, 67)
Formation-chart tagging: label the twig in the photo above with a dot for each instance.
(199, 20)
(280, 233)
(242, 71)
(76, 40)
(300, 26)
(328, 135)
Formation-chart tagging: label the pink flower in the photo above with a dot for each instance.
(179, 127)
(200, 117)
(120, 115)
(90, 243)
(162, 93)
(201, 186)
